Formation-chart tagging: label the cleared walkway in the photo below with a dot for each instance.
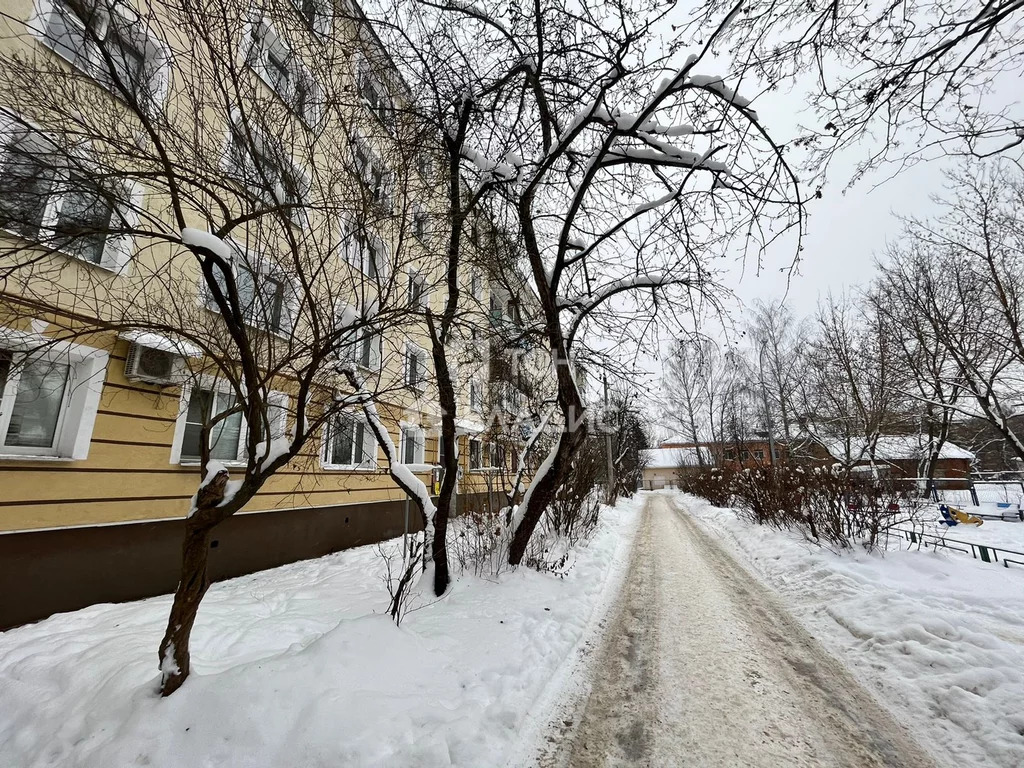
(702, 667)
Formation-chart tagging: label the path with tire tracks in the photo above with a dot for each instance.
(701, 666)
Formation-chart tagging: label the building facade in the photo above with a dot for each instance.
(134, 136)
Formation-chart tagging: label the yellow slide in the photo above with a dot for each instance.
(963, 517)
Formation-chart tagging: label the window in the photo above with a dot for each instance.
(759, 455)
(374, 95)
(514, 312)
(497, 310)
(368, 254)
(476, 286)
(315, 13)
(415, 367)
(349, 443)
(226, 436)
(476, 395)
(46, 198)
(266, 296)
(476, 458)
(48, 400)
(498, 455)
(280, 68)
(266, 173)
(38, 402)
(411, 444)
(425, 165)
(417, 293)
(371, 172)
(83, 220)
(82, 30)
(474, 234)
(360, 345)
(420, 223)
(440, 448)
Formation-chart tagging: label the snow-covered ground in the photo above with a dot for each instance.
(297, 667)
(938, 636)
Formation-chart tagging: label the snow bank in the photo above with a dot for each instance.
(293, 667)
(939, 637)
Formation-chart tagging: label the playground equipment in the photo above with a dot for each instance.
(952, 516)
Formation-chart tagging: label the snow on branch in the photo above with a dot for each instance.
(197, 238)
(499, 170)
(527, 447)
(398, 470)
(717, 84)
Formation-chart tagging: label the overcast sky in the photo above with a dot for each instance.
(847, 228)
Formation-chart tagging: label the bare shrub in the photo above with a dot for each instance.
(832, 506)
(478, 542)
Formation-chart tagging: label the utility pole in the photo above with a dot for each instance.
(608, 447)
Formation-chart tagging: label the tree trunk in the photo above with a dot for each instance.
(174, 650)
(543, 494)
(446, 399)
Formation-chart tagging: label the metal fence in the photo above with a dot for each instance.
(983, 552)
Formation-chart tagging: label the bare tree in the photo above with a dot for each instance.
(688, 389)
(618, 171)
(900, 297)
(856, 387)
(924, 75)
(778, 340)
(964, 270)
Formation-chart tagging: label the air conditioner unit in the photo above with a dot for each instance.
(153, 366)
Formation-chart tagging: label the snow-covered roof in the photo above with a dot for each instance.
(670, 458)
(890, 448)
(676, 440)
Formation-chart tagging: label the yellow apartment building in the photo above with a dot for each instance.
(130, 131)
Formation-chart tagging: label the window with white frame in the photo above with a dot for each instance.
(476, 285)
(415, 367)
(216, 412)
(366, 253)
(48, 397)
(476, 454)
(282, 69)
(411, 444)
(349, 443)
(81, 31)
(371, 172)
(267, 297)
(263, 167)
(374, 95)
(361, 345)
(57, 200)
(440, 448)
(476, 395)
(212, 407)
(497, 308)
(417, 291)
